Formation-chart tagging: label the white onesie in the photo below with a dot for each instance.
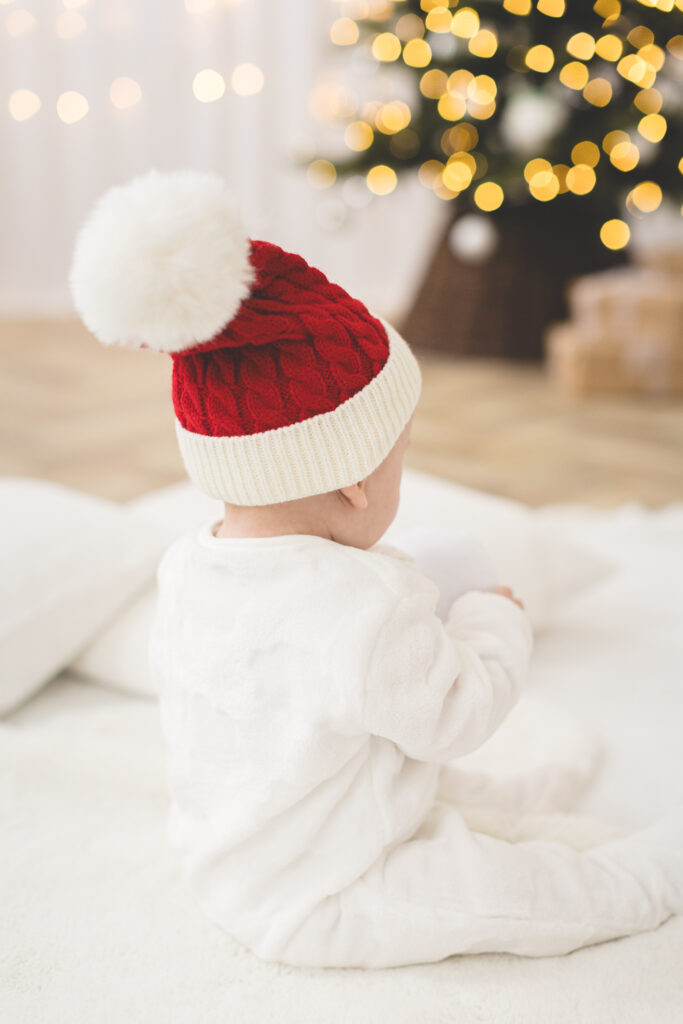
(311, 697)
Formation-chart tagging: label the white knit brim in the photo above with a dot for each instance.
(317, 455)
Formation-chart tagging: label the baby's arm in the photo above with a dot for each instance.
(440, 689)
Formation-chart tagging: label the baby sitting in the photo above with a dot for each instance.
(316, 685)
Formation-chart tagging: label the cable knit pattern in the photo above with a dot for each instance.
(298, 346)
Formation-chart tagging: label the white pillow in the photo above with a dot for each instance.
(545, 567)
(69, 562)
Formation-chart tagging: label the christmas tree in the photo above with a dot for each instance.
(510, 103)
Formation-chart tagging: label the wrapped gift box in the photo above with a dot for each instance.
(629, 302)
(584, 359)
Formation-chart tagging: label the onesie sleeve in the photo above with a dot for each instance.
(440, 689)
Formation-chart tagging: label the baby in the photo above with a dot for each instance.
(313, 699)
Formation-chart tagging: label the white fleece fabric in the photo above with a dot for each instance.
(313, 703)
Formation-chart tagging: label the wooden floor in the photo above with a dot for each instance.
(101, 419)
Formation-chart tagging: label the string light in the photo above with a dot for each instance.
(208, 85)
(199, 6)
(592, 64)
(19, 22)
(69, 24)
(23, 104)
(344, 32)
(247, 79)
(124, 93)
(72, 107)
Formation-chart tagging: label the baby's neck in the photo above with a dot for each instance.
(274, 520)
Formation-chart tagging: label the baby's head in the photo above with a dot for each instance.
(356, 515)
(285, 388)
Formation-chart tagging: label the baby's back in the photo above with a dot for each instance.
(280, 794)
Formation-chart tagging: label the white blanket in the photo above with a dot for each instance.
(98, 924)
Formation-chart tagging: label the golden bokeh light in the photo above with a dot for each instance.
(646, 196)
(624, 156)
(581, 45)
(652, 55)
(409, 26)
(381, 179)
(585, 153)
(358, 135)
(459, 81)
(465, 23)
(452, 108)
(321, 174)
(72, 107)
(430, 173)
(520, 7)
(652, 127)
(598, 92)
(392, 117)
(609, 47)
(23, 104)
(544, 186)
(482, 89)
(580, 179)
(560, 172)
(635, 69)
(417, 53)
(537, 166)
(246, 79)
(439, 20)
(386, 47)
(433, 84)
(488, 196)
(124, 93)
(574, 75)
(483, 44)
(615, 234)
(540, 58)
(640, 36)
(614, 138)
(675, 46)
(648, 101)
(551, 8)
(344, 32)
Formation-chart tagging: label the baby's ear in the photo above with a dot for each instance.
(355, 495)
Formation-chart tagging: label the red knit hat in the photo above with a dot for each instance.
(283, 384)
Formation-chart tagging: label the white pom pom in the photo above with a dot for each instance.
(162, 262)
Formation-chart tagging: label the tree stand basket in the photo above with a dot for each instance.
(501, 307)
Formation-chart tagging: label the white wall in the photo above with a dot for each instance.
(51, 172)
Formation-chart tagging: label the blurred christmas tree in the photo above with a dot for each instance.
(559, 120)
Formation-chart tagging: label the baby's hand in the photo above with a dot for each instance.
(506, 592)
